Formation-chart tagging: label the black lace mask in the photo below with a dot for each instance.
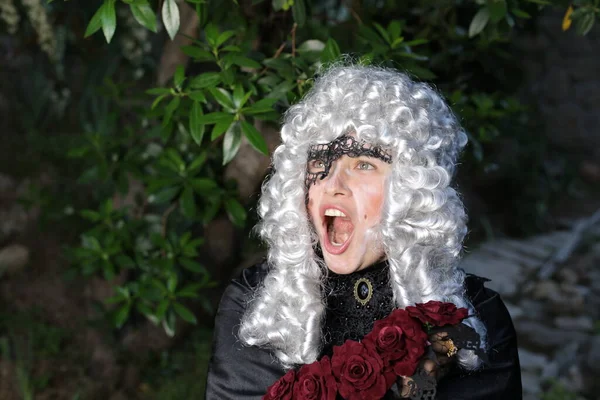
(345, 145)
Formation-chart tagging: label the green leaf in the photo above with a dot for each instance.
(585, 22)
(90, 215)
(144, 15)
(221, 127)
(231, 142)
(121, 315)
(212, 34)
(215, 117)
(170, 109)
(223, 97)
(95, 23)
(331, 51)
(196, 128)
(479, 22)
(223, 37)
(255, 138)
(299, 12)
(261, 106)
(197, 95)
(109, 19)
(416, 42)
(179, 76)
(170, 17)
(157, 101)
(158, 90)
(207, 79)
(184, 313)
(188, 203)
(231, 48)
(277, 4)
(197, 163)
(242, 61)
(197, 53)
(238, 95)
(497, 10)
(236, 212)
(280, 91)
(520, 13)
(172, 282)
(169, 324)
(165, 195)
(394, 29)
(192, 289)
(162, 308)
(384, 33)
(203, 185)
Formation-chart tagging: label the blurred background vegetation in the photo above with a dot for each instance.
(140, 132)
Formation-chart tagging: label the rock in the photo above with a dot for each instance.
(532, 361)
(119, 395)
(7, 186)
(581, 323)
(544, 289)
(550, 371)
(567, 275)
(13, 259)
(540, 337)
(590, 171)
(131, 378)
(104, 366)
(593, 356)
(531, 383)
(13, 221)
(534, 310)
(505, 276)
(568, 300)
(514, 311)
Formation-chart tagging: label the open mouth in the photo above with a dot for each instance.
(339, 230)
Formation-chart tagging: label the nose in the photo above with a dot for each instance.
(336, 182)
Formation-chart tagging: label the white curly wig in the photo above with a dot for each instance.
(423, 219)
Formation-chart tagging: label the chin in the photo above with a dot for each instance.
(340, 265)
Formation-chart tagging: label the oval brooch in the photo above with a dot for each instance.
(363, 291)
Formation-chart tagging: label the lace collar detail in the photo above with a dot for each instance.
(354, 302)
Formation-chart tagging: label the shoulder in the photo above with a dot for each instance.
(491, 310)
(236, 294)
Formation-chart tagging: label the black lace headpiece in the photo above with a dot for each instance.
(345, 145)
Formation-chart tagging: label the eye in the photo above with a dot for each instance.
(364, 166)
(315, 166)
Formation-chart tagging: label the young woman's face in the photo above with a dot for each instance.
(345, 207)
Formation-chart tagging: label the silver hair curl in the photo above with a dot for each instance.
(423, 218)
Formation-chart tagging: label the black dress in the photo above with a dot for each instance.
(240, 372)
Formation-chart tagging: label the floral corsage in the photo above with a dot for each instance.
(368, 369)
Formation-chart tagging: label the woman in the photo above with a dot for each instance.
(360, 220)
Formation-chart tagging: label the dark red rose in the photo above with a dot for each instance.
(359, 370)
(316, 381)
(282, 389)
(437, 313)
(400, 340)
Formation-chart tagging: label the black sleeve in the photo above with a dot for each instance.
(237, 371)
(500, 379)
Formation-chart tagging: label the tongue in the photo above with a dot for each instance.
(341, 229)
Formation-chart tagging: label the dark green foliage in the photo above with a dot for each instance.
(166, 147)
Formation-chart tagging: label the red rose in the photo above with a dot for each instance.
(316, 381)
(400, 340)
(359, 371)
(282, 389)
(437, 313)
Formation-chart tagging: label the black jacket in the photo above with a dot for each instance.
(242, 373)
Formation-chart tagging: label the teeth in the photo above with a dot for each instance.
(332, 212)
